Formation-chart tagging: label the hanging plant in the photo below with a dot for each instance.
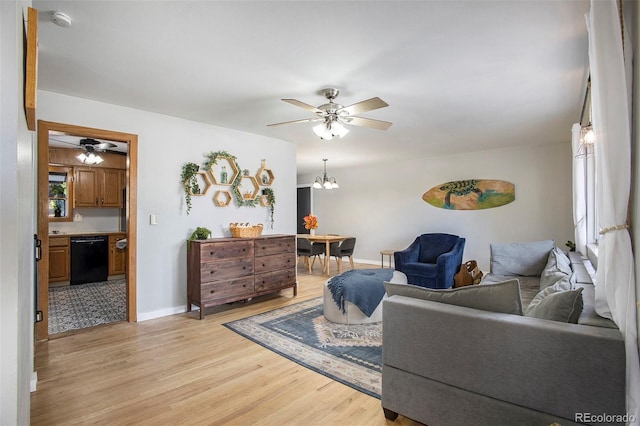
(271, 200)
(189, 182)
(212, 159)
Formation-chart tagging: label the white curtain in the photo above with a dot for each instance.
(579, 192)
(615, 282)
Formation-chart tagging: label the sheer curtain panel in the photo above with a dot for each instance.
(615, 282)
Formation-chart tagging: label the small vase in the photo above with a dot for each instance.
(312, 232)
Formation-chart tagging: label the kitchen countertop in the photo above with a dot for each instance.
(75, 234)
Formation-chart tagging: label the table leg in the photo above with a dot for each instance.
(327, 259)
(381, 260)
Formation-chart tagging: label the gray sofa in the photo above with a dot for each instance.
(449, 364)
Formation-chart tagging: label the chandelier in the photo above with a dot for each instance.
(324, 181)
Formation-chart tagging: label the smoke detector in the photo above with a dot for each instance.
(61, 19)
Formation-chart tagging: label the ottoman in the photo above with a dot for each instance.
(353, 315)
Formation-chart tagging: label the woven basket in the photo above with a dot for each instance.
(243, 230)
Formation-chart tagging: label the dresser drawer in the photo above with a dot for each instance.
(58, 241)
(226, 250)
(223, 289)
(276, 279)
(270, 246)
(215, 271)
(275, 262)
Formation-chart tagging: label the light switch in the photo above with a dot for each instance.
(153, 219)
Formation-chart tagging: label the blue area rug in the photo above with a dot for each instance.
(349, 354)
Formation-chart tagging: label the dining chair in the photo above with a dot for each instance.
(344, 249)
(308, 250)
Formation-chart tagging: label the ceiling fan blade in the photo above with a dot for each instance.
(306, 120)
(364, 106)
(73, 144)
(303, 105)
(368, 122)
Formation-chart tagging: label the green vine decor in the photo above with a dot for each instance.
(212, 159)
(271, 200)
(190, 182)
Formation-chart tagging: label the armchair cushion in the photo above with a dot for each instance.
(435, 245)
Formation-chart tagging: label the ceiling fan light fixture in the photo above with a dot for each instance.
(323, 131)
(338, 129)
(90, 158)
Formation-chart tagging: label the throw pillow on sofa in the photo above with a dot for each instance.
(503, 297)
(557, 303)
(526, 259)
(558, 266)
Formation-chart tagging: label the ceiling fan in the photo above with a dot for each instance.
(333, 115)
(92, 145)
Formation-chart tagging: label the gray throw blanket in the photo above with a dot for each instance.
(362, 287)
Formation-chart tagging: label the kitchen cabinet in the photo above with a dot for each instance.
(117, 257)
(224, 270)
(98, 187)
(59, 259)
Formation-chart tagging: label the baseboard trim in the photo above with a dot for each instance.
(161, 313)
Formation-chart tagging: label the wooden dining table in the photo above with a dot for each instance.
(327, 239)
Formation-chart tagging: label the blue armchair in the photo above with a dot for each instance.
(431, 260)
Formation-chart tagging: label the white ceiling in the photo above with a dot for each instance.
(457, 75)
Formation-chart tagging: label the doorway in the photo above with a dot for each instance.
(304, 206)
(128, 202)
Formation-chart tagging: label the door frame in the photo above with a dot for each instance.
(44, 127)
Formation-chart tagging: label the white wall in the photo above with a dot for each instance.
(382, 205)
(17, 223)
(165, 144)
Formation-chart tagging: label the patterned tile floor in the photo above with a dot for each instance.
(86, 305)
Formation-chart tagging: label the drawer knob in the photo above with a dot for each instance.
(212, 291)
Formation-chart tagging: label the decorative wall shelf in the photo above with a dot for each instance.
(265, 176)
(264, 201)
(227, 165)
(204, 182)
(246, 191)
(222, 198)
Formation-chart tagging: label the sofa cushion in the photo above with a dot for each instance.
(557, 303)
(557, 267)
(526, 259)
(589, 315)
(503, 297)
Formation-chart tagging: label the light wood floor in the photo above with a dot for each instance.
(180, 370)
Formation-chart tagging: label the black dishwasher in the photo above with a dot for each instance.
(89, 259)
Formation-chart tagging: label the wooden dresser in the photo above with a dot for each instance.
(224, 270)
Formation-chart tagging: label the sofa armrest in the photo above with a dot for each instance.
(552, 367)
